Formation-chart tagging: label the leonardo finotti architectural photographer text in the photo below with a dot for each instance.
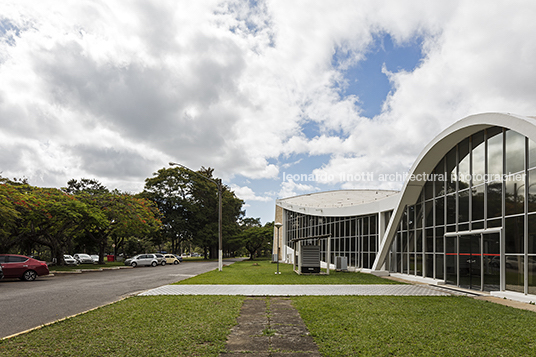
(398, 177)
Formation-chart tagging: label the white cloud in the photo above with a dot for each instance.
(290, 188)
(247, 194)
(115, 90)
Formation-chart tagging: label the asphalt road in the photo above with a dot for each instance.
(25, 305)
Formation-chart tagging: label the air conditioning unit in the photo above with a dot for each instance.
(341, 263)
(310, 259)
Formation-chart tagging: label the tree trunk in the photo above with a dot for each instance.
(102, 246)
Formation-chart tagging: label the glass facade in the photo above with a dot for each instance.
(355, 238)
(475, 219)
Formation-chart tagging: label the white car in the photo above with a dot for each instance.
(95, 258)
(83, 258)
(69, 260)
(142, 259)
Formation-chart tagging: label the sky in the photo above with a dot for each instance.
(281, 98)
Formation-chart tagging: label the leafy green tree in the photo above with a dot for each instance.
(169, 189)
(10, 200)
(205, 215)
(90, 186)
(189, 203)
(255, 237)
(122, 215)
(46, 216)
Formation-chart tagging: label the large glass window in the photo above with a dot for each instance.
(451, 209)
(464, 172)
(515, 152)
(463, 206)
(451, 175)
(513, 234)
(531, 198)
(494, 202)
(532, 234)
(429, 213)
(440, 211)
(477, 202)
(440, 178)
(515, 194)
(479, 158)
(514, 274)
(532, 154)
(352, 237)
(495, 153)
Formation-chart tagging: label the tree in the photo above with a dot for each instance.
(189, 203)
(256, 238)
(122, 215)
(10, 199)
(169, 190)
(47, 216)
(90, 186)
(205, 216)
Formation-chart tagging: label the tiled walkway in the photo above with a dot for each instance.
(296, 290)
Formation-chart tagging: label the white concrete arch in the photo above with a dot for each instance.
(435, 151)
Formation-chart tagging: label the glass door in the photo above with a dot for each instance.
(491, 267)
(473, 261)
(451, 260)
(470, 255)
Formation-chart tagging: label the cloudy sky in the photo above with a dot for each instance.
(265, 92)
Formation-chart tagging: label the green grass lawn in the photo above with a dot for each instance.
(137, 326)
(340, 325)
(250, 272)
(416, 326)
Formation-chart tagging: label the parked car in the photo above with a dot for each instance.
(179, 257)
(1, 273)
(69, 260)
(171, 259)
(22, 267)
(160, 258)
(95, 258)
(83, 258)
(142, 259)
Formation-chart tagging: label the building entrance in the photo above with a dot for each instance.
(473, 260)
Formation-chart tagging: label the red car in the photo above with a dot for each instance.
(22, 267)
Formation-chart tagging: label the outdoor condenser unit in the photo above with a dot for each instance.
(341, 263)
(310, 259)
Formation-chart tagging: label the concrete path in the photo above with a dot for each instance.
(297, 290)
(270, 327)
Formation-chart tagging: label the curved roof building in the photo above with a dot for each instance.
(465, 217)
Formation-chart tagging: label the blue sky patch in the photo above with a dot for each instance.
(366, 80)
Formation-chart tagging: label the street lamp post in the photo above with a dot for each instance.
(278, 225)
(220, 230)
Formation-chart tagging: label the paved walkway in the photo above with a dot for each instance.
(297, 290)
(270, 327)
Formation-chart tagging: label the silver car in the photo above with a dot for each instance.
(161, 259)
(142, 259)
(83, 258)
